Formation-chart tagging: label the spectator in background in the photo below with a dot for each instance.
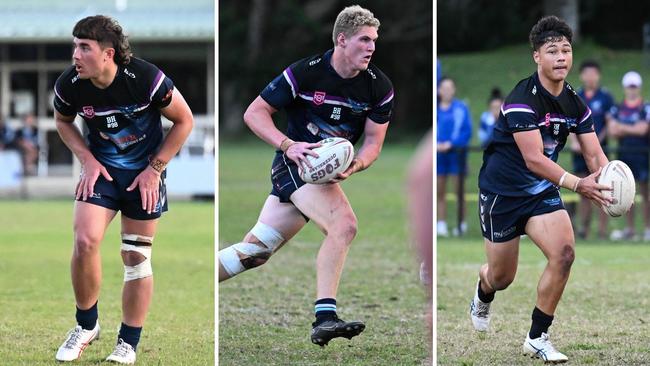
(629, 124)
(489, 117)
(454, 131)
(27, 142)
(7, 136)
(600, 101)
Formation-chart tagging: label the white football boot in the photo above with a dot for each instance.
(123, 353)
(76, 342)
(542, 348)
(479, 312)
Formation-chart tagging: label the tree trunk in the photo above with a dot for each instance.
(567, 10)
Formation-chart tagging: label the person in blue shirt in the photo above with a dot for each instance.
(520, 180)
(629, 124)
(454, 130)
(489, 117)
(599, 101)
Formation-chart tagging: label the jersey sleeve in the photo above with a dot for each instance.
(586, 122)
(282, 90)
(63, 101)
(161, 90)
(519, 116)
(383, 108)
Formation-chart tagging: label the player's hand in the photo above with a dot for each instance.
(298, 152)
(444, 146)
(355, 166)
(148, 182)
(90, 171)
(590, 188)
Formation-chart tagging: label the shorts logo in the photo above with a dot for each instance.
(89, 111)
(552, 201)
(319, 97)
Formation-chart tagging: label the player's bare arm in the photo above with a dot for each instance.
(531, 147)
(179, 113)
(375, 134)
(258, 119)
(90, 167)
(592, 151)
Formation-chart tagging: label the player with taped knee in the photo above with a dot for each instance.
(123, 160)
(338, 93)
(242, 256)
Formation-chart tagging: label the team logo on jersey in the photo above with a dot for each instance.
(89, 111)
(547, 120)
(319, 97)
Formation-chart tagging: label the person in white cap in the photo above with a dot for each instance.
(629, 124)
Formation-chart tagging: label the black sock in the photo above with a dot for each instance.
(324, 309)
(540, 324)
(486, 298)
(130, 335)
(87, 318)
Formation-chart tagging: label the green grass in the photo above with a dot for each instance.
(36, 295)
(601, 319)
(265, 314)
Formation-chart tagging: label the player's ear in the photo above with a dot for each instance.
(536, 56)
(340, 40)
(110, 53)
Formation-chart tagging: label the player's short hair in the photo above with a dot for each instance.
(108, 33)
(589, 63)
(549, 29)
(351, 19)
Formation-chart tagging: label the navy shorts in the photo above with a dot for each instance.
(284, 177)
(638, 165)
(113, 195)
(504, 218)
(451, 163)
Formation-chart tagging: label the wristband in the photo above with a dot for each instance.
(286, 143)
(569, 181)
(158, 165)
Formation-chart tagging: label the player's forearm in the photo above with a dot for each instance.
(72, 138)
(259, 120)
(544, 167)
(369, 152)
(174, 140)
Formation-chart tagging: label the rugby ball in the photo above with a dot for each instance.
(617, 174)
(334, 156)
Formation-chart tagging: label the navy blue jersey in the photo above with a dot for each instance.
(600, 103)
(321, 104)
(124, 126)
(629, 115)
(530, 107)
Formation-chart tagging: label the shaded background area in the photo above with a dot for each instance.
(258, 39)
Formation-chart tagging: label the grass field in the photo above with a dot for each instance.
(265, 314)
(602, 318)
(37, 302)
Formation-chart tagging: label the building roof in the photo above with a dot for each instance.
(159, 20)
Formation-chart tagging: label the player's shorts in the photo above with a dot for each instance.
(638, 164)
(504, 218)
(284, 177)
(451, 163)
(113, 195)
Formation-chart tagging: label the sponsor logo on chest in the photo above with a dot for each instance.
(89, 111)
(319, 97)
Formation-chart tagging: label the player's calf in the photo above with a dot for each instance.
(243, 256)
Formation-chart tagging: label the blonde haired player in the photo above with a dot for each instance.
(335, 94)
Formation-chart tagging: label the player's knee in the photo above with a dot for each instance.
(345, 228)
(136, 255)
(242, 256)
(86, 243)
(566, 258)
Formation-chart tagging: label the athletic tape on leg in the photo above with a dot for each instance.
(254, 254)
(140, 244)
